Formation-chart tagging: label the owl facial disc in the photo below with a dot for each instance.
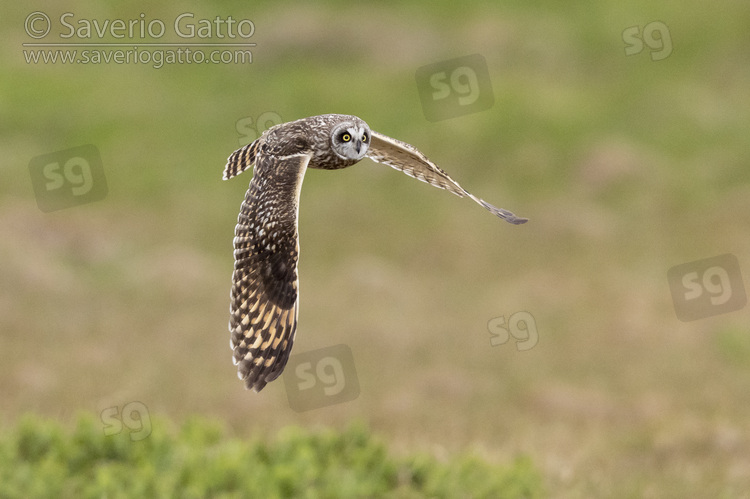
(350, 141)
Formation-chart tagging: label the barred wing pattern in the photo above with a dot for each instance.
(408, 159)
(264, 296)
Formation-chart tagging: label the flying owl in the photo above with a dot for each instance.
(265, 286)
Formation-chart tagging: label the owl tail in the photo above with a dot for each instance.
(241, 160)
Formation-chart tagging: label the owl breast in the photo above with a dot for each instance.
(328, 160)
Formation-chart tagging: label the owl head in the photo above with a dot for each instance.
(350, 139)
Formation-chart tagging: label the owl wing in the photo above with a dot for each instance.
(264, 295)
(408, 159)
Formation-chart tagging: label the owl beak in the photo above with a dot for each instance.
(358, 146)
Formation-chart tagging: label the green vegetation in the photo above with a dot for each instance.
(41, 459)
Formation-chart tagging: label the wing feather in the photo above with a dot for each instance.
(410, 160)
(264, 297)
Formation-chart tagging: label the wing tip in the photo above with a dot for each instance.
(516, 220)
(504, 214)
(255, 385)
(253, 376)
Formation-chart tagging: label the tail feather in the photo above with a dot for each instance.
(241, 160)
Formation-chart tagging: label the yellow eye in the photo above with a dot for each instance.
(364, 138)
(346, 137)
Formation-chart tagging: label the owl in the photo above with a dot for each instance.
(265, 285)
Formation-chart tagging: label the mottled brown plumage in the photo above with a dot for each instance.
(265, 285)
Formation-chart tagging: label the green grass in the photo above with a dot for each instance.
(40, 458)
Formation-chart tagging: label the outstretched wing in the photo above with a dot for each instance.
(264, 296)
(409, 160)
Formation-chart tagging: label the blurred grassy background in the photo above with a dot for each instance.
(626, 167)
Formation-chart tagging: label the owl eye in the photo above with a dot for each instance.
(346, 137)
(364, 138)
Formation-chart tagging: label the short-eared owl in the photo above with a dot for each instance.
(265, 292)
